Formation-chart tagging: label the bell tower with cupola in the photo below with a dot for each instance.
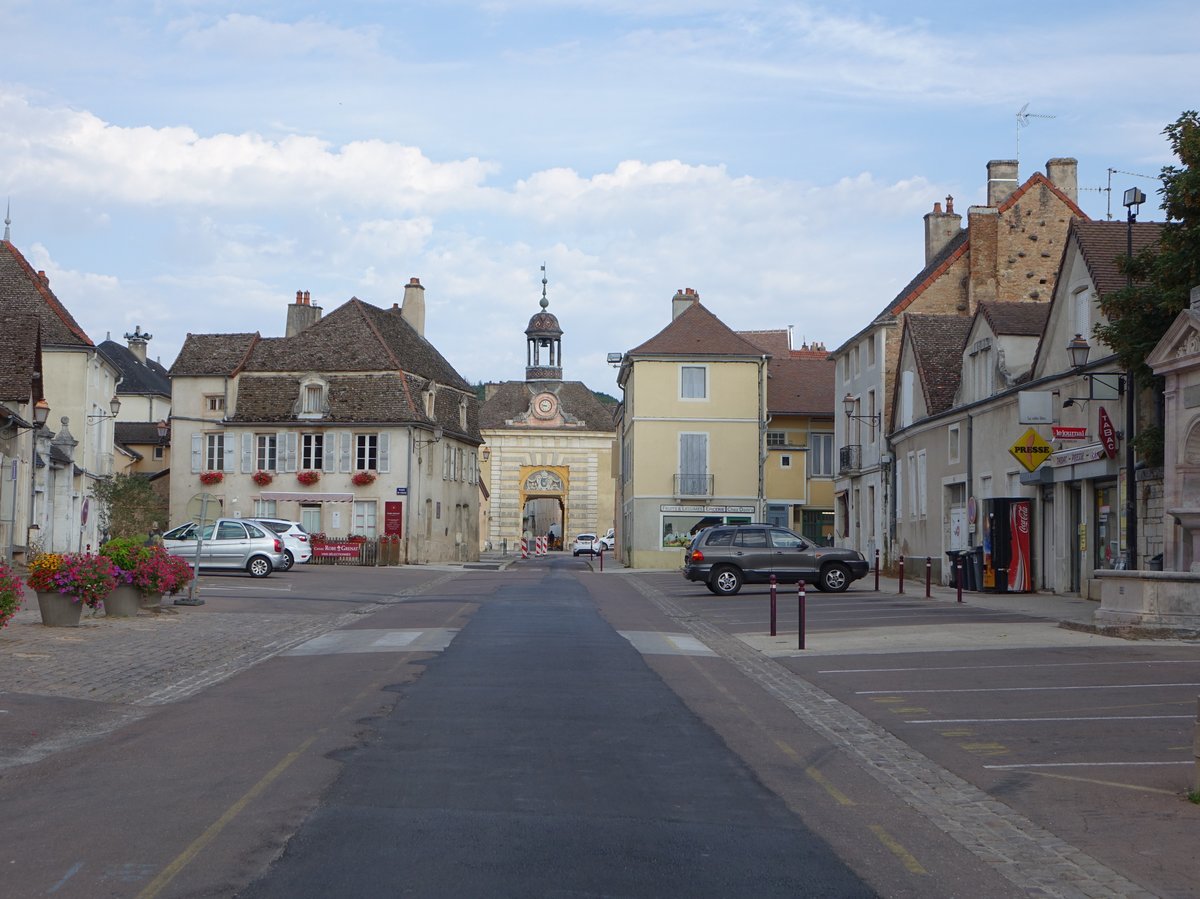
(543, 340)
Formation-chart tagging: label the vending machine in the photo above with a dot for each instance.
(1007, 545)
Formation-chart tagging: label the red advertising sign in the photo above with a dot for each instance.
(1108, 434)
(336, 550)
(1020, 575)
(393, 519)
(1061, 433)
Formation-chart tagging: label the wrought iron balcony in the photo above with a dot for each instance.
(850, 458)
(693, 485)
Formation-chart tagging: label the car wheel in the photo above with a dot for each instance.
(288, 560)
(575, 554)
(835, 578)
(726, 581)
(259, 566)
(711, 588)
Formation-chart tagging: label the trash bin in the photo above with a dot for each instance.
(1154, 563)
(976, 556)
(955, 557)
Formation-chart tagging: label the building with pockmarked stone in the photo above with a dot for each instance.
(547, 462)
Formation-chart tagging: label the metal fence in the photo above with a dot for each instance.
(355, 551)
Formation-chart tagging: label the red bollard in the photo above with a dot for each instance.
(901, 590)
(876, 571)
(958, 569)
(928, 575)
(800, 597)
(602, 558)
(774, 605)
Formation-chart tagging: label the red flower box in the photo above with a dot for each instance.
(308, 478)
(262, 478)
(363, 478)
(212, 477)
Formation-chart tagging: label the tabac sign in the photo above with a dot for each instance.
(1031, 450)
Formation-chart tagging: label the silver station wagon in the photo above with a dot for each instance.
(229, 543)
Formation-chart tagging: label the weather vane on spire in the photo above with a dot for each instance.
(544, 302)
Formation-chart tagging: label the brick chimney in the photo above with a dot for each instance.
(137, 342)
(682, 300)
(983, 286)
(940, 228)
(1063, 173)
(301, 314)
(413, 310)
(1002, 180)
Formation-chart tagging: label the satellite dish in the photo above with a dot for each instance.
(204, 508)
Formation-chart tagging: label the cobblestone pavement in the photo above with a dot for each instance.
(1026, 854)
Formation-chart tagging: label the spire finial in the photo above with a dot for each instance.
(544, 302)
(8, 221)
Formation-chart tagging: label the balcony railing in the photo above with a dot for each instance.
(849, 458)
(693, 485)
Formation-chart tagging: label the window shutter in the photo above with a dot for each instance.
(330, 463)
(289, 459)
(347, 439)
(247, 453)
(197, 452)
(383, 453)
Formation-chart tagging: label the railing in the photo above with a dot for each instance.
(849, 458)
(355, 551)
(693, 485)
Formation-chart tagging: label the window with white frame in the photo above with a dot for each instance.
(312, 451)
(1081, 305)
(776, 438)
(820, 455)
(952, 444)
(160, 452)
(785, 461)
(366, 452)
(264, 508)
(922, 506)
(693, 382)
(313, 397)
(214, 402)
(266, 452)
(214, 451)
(912, 485)
(365, 513)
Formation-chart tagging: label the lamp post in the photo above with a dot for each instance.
(1132, 200)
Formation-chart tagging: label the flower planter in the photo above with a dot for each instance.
(123, 602)
(59, 610)
(150, 600)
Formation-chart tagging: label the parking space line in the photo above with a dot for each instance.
(906, 858)
(1106, 783)
(1086, 765)
(1141, 662)
(1037, 720)
(838, 796)
(1027, 689)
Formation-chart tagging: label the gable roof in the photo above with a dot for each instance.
(212, 354)
(801, 386)
(937, 343)
(24, 292)
(1101, 243)
(1015, 319)
(20, 359)
(697, 332)
(776, 342)
(510, 399)
(137, 377)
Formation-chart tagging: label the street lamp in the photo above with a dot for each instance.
(114, 406)
(41, 412)
(849, 402)
(1132, 200)
(163, 430)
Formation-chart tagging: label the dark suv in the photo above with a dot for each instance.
(726, 556)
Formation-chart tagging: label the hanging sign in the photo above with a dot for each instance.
(1061, 433)
(1108, 434)
(1031, 450)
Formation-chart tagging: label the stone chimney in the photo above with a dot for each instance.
(1063, 173)
(137, 342)
(413, 310)
(682, 300)
(983, 286)
(1002, 180)
(940, 228)
(301, 314)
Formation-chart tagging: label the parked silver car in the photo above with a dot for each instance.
(229, 543)
(297, 545)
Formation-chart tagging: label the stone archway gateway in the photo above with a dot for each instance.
(545, 482)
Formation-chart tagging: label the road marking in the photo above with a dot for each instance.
(1036, 720)
(71, 872)
(985, 748)
(1028, 689)
(992, 667)
(1086, 765)
(1106, 783)
(657, 643)
(906, 858)
(375, 640)
(838, 796)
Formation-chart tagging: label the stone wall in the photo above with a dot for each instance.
(1153, 528)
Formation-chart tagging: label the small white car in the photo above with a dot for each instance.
(586, 543)
(609, 540)
(297, 547)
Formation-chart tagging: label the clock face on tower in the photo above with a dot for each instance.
(545, 405)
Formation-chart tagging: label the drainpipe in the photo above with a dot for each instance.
(970, 473)
(762, 437)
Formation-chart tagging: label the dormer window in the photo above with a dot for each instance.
(429, 398)
(313, 401)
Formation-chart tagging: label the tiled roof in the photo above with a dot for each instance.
(776, 342)
(137, 377)
(212, 354)
(24, 292)
(697, 332)
(19, 358)
(510, 399)
(800, 386)
(1101, 243)
(937, 342)
(136, 432)
(1016, 319)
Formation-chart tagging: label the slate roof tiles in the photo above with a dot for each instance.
(937, 342)
(24, 292)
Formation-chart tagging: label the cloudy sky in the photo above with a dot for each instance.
(188, 166)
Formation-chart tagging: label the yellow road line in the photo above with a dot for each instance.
(1105, 783)
(839, 797)
(906, 858)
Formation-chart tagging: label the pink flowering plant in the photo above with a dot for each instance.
(84, 577)
(149, 568)
(11, 593)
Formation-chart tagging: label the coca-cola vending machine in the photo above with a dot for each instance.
(1007, 545)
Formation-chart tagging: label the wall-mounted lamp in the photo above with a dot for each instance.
(114, 406)
(163, 430)
(485, 453)
(1078, 350)
(850, 403)
(14, 423)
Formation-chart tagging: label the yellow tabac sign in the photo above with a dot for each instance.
(1031, 450)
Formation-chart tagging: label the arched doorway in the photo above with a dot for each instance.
(543, 500)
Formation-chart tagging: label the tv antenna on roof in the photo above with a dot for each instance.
(1023, 118)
